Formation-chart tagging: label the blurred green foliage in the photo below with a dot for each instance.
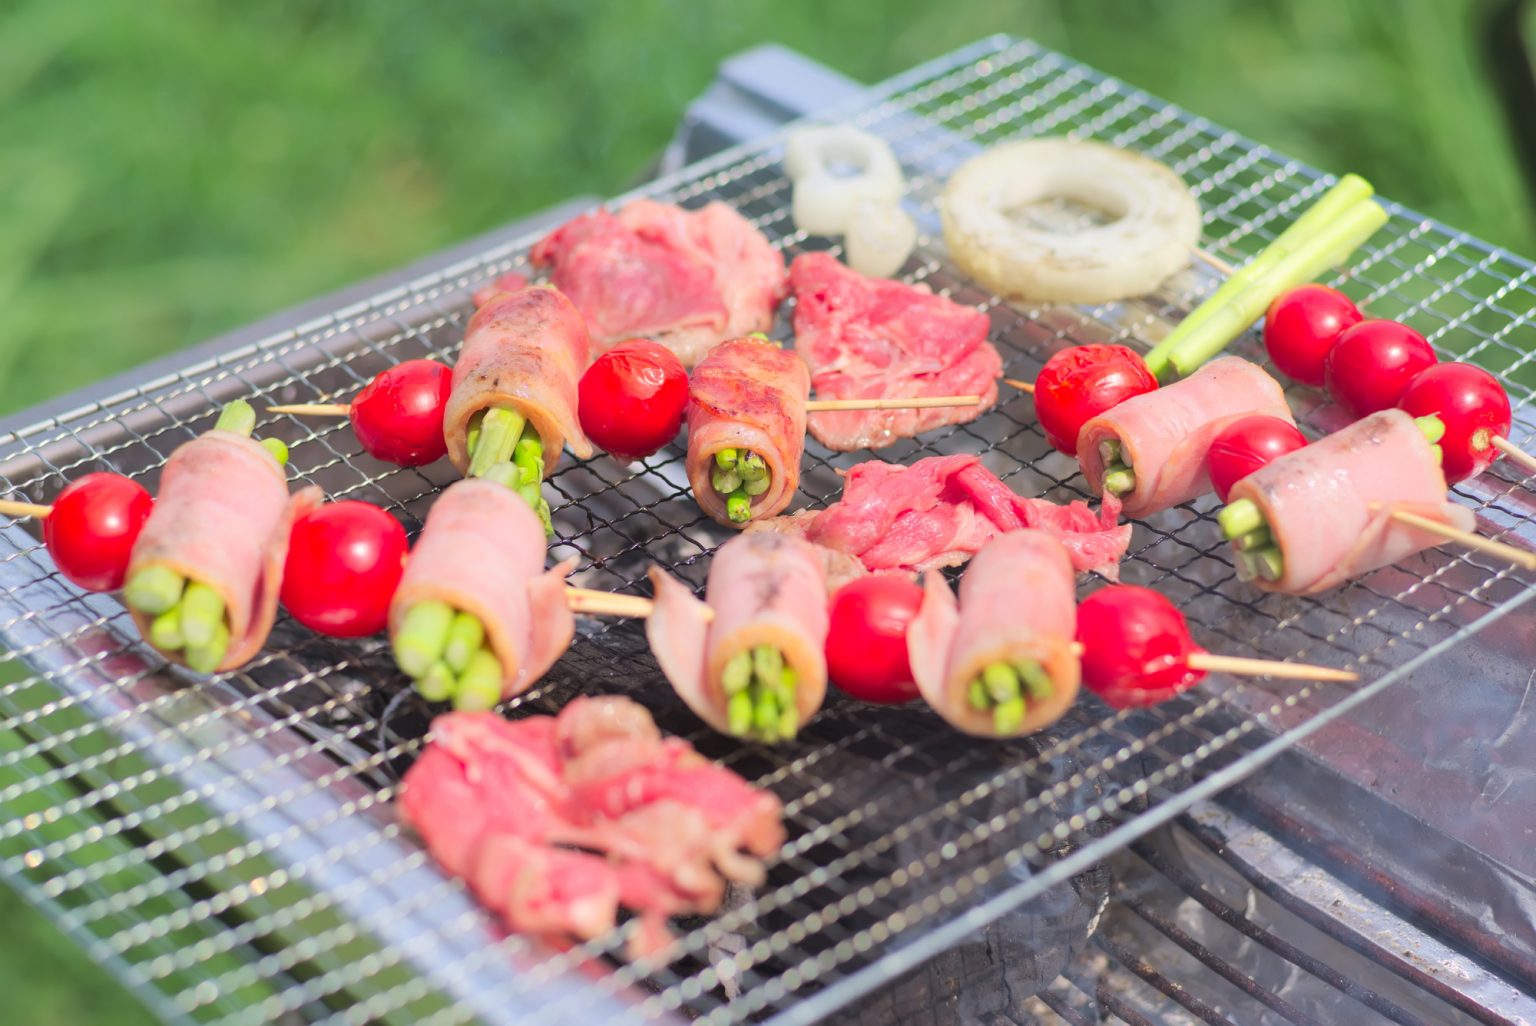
(175, 168)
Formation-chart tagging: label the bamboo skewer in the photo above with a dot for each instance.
(22, 510)
(605, 603)
(1515, 453)
(1519, 557)
(1022, 386)
(926, 402)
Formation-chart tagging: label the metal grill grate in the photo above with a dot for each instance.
(226, 844)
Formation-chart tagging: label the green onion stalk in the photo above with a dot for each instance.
(759, 687)
(1321, 238)
(448, 657)
(1119, 475)
(739, 475)
(188, 617)
(1005, 688)
(506, 449)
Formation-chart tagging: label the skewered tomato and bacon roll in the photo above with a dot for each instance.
(1001, 662)
(750, 660)
(867, 338)
(746, 430)
(1150, 450)
(558, 821)
(205, 572)
(1322, 515)
(687, 278)
(514, 388)
(476, 617)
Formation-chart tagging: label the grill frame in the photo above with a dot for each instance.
(206, 729)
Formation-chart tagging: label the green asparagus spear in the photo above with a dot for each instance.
(202, 613)
(480, 684)
(205, 658)
(1037, 683)
(1120, 481)
(528, 454)
(423, 634)
(165, 631)
(738, 507)
(725, 459)
(977, 695)
(505, 474)
(466, 636)
(739, 713)
(1001, 681)
(1109, 451)
(1008, 716)
(237, 418)
(154, 590)
(499, 432)
(725, 481)
(278, 448)
(437, 684)
(1239, 517)
(756, 486)
(737, 673)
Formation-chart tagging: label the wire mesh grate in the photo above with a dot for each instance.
(227, 846)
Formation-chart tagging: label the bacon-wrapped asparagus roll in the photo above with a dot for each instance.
(746, 430)
(204, 575)
(1151, 449)
(1001, 662)
(476, 617)
(756, 668)
(1306, 523)
(514, 388)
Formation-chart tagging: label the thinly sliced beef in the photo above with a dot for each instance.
(688, 279)
(763, 589)
(1017, 601)
(1167, 433)
(222, 518)
(524, 350)
(557, 822)
(941, 510)
(482, 551)
(875, 338)
(747, 394)
(1318, 502)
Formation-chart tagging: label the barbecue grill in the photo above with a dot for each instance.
(226, 844)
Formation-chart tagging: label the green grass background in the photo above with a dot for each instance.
(170, 169)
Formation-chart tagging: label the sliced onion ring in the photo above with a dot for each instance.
(823, 199)
(879, 239)
(1156, 222)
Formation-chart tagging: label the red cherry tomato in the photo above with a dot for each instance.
(1136, 646)
(92, 526)
(398, 416)
(1369, 367)
(1247, 444)
(632, 398)
(1474, 407)
(1302, 325)
(344, 562)
(867, 639)
(1078, 384)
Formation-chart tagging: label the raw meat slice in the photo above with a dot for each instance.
(872, 337)
(941, 510)
(688, 279)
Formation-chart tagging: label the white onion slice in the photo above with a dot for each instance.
(824, 199)
(1155, 226)
(879, 239)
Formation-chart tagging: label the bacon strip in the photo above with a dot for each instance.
(222, 518)
(1167, 433)
(524, 350)
(764, 589)
(482, 551)
(1318, 502)
(748, 394)
(1017, 601)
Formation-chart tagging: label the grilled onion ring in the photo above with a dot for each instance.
(1156, 221)
(823, 201)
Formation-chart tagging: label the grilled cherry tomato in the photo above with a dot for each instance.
(1473, 406)
(344, 562)
(632, 398)
(1369, 367)
(1247, 444)
(867, 639)
(91, 529)
(1136, 646)
(1078, 384)
(398, 416)
(1302, 325)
